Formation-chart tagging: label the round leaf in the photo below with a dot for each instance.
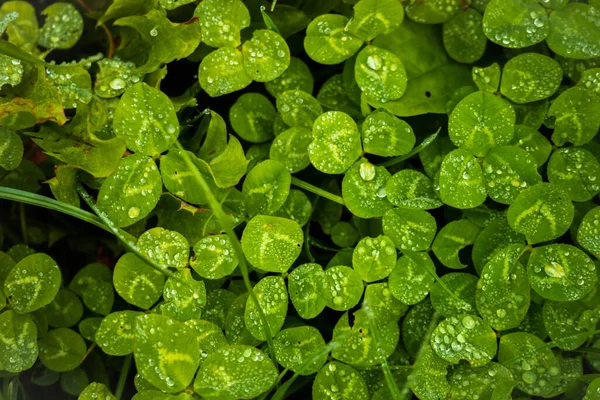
(461, 180)
(116, 333)
(32, 283)
(290, 148)
(272, 297)
(63, 26)
(375, 17)
(564, 323)
(298, 108)
(222, 21)
(530, 77)
(344, 287)
(294, 346)
(95, 391)
(272, 243)
(65, 310)
(479, 382)
(561, 272)
(137, 282)
(339, 381)
(165, 247)
(577, 117)
(214, 257)
(62, 350)
(432, 12)
(307, 286)
(266, 187)
(364, 190)
(530, 140)
(386, 135)
(515, 23)
(266, 55)
(145, 118)
(588, 234)
(183, 300)
(494, 237)
(380, 74)
(410, 188)
(453, 238)
(574, 31)
(297, 207)
(327, 41)
(463, 35)
(374, 258)
(409, 229)
(93, 283)
(576, 171)
(222, 72)
(114, 77)
(297, 76)
(411, 280)
(18, 342)
(251, 117)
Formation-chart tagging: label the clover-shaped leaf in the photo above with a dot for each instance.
(487, 79)
(383, 306)
(415, 325)
(374, 258)
(210, 337)
(290, 148)
(271, 293)
(463, 36)
(297, 207)
(222, 72)
(266, 187)
(515, 23)
(464, 337)
(409, 229)
(298, 108)
(116, 333)
(236, 331)
(93, 283)
(132, 192)
(307, 286)
(492, 381)
(64, 311)
(385, 135)
(451, 239)
(250, 373)
(297, 76)
(74, 85)
(62, 350)
(23, 29)
(588, 232)
(530, 140)
(166, 352)
(454, 294)
(503, 290)
(494, 237)
(380, 74)
(338, 381)
(63, 26)
(18, 341)
(461, 180)
(222, 21)
(577, 117)
(561, 272)
(165, 247)
(530, 77)
(96, 390)
(574, 31)
(214, 257)
(284, 238)
(566, 322)
(541, 212)
(137, 282)
(411, 279)
(336, 142)
(32, 283)
(294, 346)
(410, 188)
(344, 287)
(576, 171)
(327, 41)
(266, 55)
(429, 375)
(364, 190)
(184, 298)
(375, 17)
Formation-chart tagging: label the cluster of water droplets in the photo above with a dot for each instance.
(12, 71)
(114, 77)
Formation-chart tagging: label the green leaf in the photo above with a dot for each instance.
(336, 143)
(487, 79)
(461, 180)
(375, 17)
(294, 346)
(481, 121)
(88, 327)
(503, 290)
(222, 22)
(62, 350)
(65, 310)
(114, 77)
(542, 212)
(429, 377)
(537, 369)
(32, 283)
(214, 257)
(297, 76)
(587, 233)
(116, 333)
(145, 118)
(412, 189)
(333, 96)
(165, 247)
(298, 108)
(266, 55)
(364, 190)
(166, 352)
(464, 337)
(533, 142)
(297, 207)
(360, 347)
(432, 12)
(463, 36)
(508, 170)
(95, 391)
(13, 71)
(251, 117)
(530, 77)
(290, 148)
(11, 149)
(222, 72)
(573, 31)
(409, 229)
(271, 243)
(454, 294)
(566, 323)
(74, 85)
(577, 117)
(327, 41)
(132, 192)
(432, 156)
(230, 166)
(124, 8)
(561, 272)
(385, 135)
(453, 238)
(273, 300)
(380, 74)
(63, 26)
(63, 185)
(492, 381)
(575, 170)
(93, 283)
(249, 373)
(18, 342)
(432, 77)
(493, 238)
(235, 324)
(515, 23)
(383, 306)
(415, 326)
(218, 301)
(374, 258)
(266, 187)
(136, 282)
(184, 298)
(344, 287)
(411, 280)
(339, 381)
(165, 40)
(307, 286)
(210, 337)
(589, 80)
(23, 31)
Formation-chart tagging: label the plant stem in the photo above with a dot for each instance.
(51, 204)
(235, 242)
(23, 223)
(426, 142)
(111, 44)
(316, 190)
(123, 377)
(87, 353)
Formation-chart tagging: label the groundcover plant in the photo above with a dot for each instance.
(227, 199)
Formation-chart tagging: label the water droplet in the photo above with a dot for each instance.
(367, 171)
(154, 32)
(468, 322)
(501, 313)
(117, 84)
(374, 62)
(133, 212)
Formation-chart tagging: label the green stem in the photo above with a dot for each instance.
(426, 142)
(123, 377)
(235, 242)
(125, 238)
(316, 190)
(23, 223)
(51, 204)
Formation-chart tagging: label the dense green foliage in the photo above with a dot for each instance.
(382, 199)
